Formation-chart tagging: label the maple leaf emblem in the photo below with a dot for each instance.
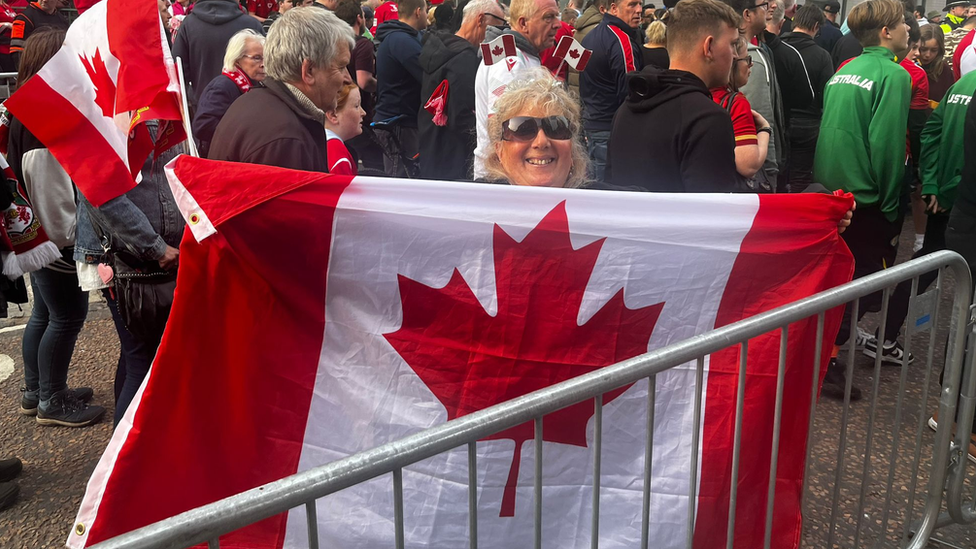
(471, 360)
(574, 54)
(497, 51)
(104, 86)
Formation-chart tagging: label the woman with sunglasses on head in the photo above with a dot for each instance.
(534, 135)
(752, 131)
(243, 69)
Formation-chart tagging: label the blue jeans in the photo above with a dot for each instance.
(596, 145)
(60, 309)
(134, 360)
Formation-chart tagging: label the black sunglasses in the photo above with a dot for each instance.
(502, 19)
(526, 128)
(764, 6)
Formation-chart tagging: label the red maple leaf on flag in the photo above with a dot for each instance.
(104, 85)
(497, 51)
(471, 360)
(574, 54)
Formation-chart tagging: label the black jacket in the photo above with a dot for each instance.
(669, 136)
(268, 126)
(449, 150)
(802, 70)
(202, 39)
(846, 48)
(398, 73)
(828, 36)
(603, 85)
(216, 98)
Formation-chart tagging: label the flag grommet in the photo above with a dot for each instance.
(80, 529)
(194, 219)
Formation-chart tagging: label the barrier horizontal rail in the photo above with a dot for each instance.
(205, 524)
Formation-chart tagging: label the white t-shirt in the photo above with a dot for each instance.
(489, 84)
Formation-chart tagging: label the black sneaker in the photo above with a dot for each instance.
(8, 494)
(893, 353)
(835, 383)
(28, 402)
(10, 468)
(68, 411)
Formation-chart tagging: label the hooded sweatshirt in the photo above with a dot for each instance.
(203, 37)
(803, 75)
(669, 136)
(450, 58)
(861, 148)
(398, 73)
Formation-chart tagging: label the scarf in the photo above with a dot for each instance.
(24, 246)
(306, 103)
(240, 79)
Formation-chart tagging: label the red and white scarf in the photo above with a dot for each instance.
(239, 78)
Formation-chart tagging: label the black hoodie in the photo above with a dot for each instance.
(449, 149)
(202, 39)
(398, 73)
(669, 136)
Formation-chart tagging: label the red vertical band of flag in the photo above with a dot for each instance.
(763, 278)
(245, 269)
(138, 87)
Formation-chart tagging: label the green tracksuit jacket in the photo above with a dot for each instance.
(861, 148)
(940, 168)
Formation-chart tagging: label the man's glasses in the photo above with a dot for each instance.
(526, 128)
(492, 15)
(764, 6)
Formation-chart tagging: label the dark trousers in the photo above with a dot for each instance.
(409, 146)
(803, 145)
(367, 149)
(960, 237)
(873, 240)
(935, 229)
(135, 358)
(60, 309)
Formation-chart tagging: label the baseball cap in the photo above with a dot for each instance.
(832, 6)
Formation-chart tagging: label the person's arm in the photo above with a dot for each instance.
(411, 60)
(211, 107)
(366, 68)
(127, 223)
(366, 81)
(620, 65)
(757, 92)
(707, 162)
(887, 129)
(928, 163)
(17, 37)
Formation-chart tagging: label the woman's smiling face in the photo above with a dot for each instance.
(538, 162)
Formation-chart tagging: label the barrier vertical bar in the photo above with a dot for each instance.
(695, 440)
(896, 438)
(597, 447)
(398, 506)
(313, 525)
(923, 409)
(538, 483)
(740, 398)
(814, 384)
(842, 446)
(777, 421)
(473, 494)
(648, 461)
(869, 445)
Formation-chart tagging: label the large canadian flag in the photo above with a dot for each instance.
(319, 316)
(87, 105)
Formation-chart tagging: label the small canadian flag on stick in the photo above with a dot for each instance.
(572, 53)
(498, 49)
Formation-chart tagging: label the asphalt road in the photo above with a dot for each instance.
(58, 461)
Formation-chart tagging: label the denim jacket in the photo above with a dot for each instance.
(144, 220)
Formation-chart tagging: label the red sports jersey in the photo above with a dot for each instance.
(384, 12)
(743, 125)
(339, 160)
(262, 8)
(920, 85)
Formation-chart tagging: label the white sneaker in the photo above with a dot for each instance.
(864, 338)
(919, 242)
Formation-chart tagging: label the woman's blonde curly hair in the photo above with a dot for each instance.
(536, 88)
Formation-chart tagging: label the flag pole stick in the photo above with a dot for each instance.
(191, 144)
(560, 68)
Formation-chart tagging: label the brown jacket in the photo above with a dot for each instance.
(268, 126)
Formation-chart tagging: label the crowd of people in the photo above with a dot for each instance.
(749, 96)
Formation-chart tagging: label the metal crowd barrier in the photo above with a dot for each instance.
(947, 475)
(8, 84)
